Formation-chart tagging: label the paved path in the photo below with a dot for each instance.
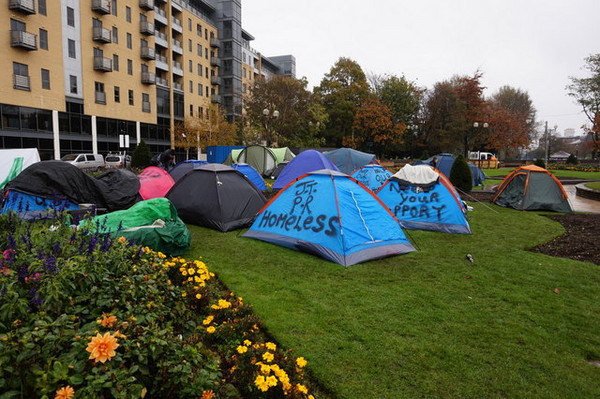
(580, 204)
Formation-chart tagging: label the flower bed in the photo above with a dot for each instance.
(85, 316)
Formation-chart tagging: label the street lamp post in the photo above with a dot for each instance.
(476, 125)
(269, 117)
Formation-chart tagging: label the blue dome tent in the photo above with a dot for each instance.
(348, 160)
(372, 176)
(252, 174)
(331, 215)
(424, 199)
(305, 162)
(443, 162)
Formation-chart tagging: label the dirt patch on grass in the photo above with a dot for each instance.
(580, 242)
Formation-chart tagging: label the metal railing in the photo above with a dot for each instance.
(23, 39)
(21, 82)
(26, 6)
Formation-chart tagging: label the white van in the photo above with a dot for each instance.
(117, 161)
(85, 161)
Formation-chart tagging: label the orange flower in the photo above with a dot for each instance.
(65, 393)
(207, 395)
(102, 348)
(108, 321)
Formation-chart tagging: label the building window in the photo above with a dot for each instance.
(145, 102)
(191, 109)
(42, 7)
(199, 69)
(190, 65)
(199, 89)
(129, 67)
(206, 53)
(70, 16)
(129, 45)
(71, 47)
(115, 35)
(45, 79)
(100, 95)
(130, 95)
(117, 94)
(21, 76)
(190, 45)
(73, 84)
(191, 86)
(127, 13)
(207, 91)
(200, 112)
(205, 33)
(199, 50)
(17, 25)
(115, 62)
(199, 30)
(190, 24)
(43, 39)
(113, 7)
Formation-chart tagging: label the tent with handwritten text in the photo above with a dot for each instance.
(422, 198)
(372, 176)
(331, 215)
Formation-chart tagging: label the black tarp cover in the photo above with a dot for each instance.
(114, 189)
(216, 196)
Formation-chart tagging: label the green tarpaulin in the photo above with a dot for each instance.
(153, 223)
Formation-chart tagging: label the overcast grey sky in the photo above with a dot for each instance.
(532, 45)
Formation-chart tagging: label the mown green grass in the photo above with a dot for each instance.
(593, 185)
(429, 323)
(556, 172)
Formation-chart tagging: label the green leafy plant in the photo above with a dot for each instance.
(141, 156)
(460, 175)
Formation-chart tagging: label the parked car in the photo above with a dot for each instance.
(85, 161)
(117, 161)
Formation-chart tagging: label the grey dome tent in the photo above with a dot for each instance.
(531, 188)
(216, 196)
(261, 158)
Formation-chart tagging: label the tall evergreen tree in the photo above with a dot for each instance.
(141, 156)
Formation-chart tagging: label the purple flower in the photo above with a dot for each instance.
(50, 264)
(35, 298)
(92, 244)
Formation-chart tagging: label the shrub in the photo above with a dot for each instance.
(540, 162)
(460, 175)
(141, 156)
(571, 160)
(104, 318)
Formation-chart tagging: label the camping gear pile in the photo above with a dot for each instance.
(317, 209)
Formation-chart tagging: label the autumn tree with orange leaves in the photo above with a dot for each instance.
(374, 130)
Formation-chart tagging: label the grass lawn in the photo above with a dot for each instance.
(431, 324)
(559, 173)
(593, 185)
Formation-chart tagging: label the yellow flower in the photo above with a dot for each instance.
(247, 343)
(264, 368)
(271, 380)
(65, 393)
(208, 320)
(268, 357)
(207, 395)
(301, 362)
(108, 321)
(184, 294)
(261, 383)
(102, 348)
(311, 397)
(191, 271)
(271, 346)
(211, 330)
(301, 388)
(242, 349)
(198, 296)
(161, 255)
(224, 304)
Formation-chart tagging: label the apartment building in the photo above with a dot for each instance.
(85, 72)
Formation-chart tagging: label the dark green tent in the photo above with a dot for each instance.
(531, 188)
(153, 223)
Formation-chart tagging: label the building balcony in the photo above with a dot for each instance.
(100, 97)
(24, 40)
(215, 80)
(161, 62)
(160, 16)
(178, 86)
(214, 42)
(215, 98)
(21, 82)
(214, 61)
(160, 39)
(176, 25)
(102, 64)
(24, 6)
(146, 106)
(147, 4)
(162, 82)
(177, 47)
(101, 6)
(177, 68)
(148, 78)
(176, 5)
(146, 28)
(101, 35)
(148, 53)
